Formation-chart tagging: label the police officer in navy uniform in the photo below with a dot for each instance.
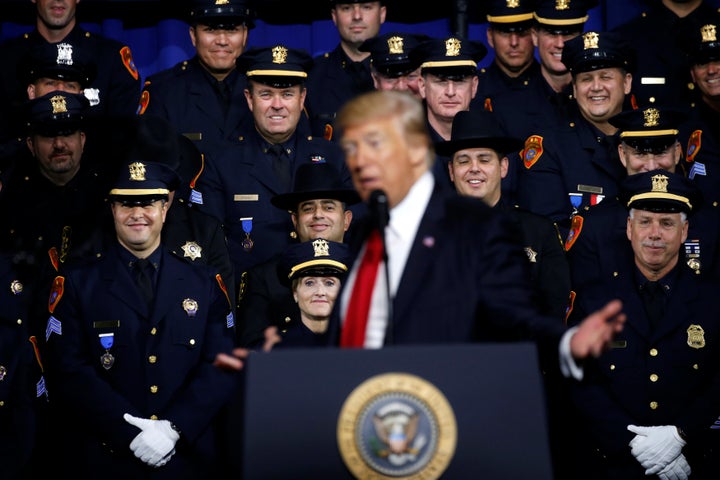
(114, 92)
(237, 186)
(509, 36)
(203, 96)
(392, 65)
(448, 68)
(648, 140)
(657, 36)
(575, 164)
(129, 344)
(317, 268)
(344, 72)
(319, 207)
(645, 406)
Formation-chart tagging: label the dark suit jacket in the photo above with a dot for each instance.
(465, 280)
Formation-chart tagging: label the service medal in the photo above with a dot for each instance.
(247, 243)
(106, 359)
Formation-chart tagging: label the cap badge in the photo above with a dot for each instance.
(395, 45)
(64, 56)
(222, 2)
(321, 247)
(452, 47)
(591, 40)
(562, 4)
(659, 183)
(512, 3)
(652, 117)
(279, 54)
(190, 306)
(696, 336)
(709, 33)
(137, 172)
(59, 104)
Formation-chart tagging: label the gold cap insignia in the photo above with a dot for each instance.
(279, 54)
(696, 336)
(192, 250)
(709, 33)
(452, 47)
(58, 104)
(512, 3)
(562, 4)
(137, 172)
(591, 40)
(659, 183)
(321, 248)
(16, 287)
(222, 2)
(190, 306)
(395, 45)
(64, 56)
(652, 117)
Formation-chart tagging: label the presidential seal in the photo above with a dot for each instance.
(395, 426)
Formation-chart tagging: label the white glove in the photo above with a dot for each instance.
(655, 447)
(678, 469)
(155, 444)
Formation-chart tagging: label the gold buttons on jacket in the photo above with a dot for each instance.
(287, 319)
(153, 389)
(653, 352)
(653, 377)
(153, 331)
(152, 359)
(653, 405)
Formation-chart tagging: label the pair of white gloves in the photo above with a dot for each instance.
(659, 451)
(155, 444)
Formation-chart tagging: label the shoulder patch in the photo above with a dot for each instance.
(144, 102)
(575, 228)
(56, 293)
(533, 150)
(127, 60)
(694, 144)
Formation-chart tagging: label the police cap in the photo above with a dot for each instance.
(390, 52)
(650, 130)
(315, 181)
(57, 113)
(318, 258)
(510, 16)
(597, 50)
(451, 57)
(278, 66)
(563, 17)
(660, 191)
(222, 13)
(142, 182)
(62, 61)
(703, 45)
(477, 129)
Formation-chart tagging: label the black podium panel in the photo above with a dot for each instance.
(294, 397)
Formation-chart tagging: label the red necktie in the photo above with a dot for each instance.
(353, 330)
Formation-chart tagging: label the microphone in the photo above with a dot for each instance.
(380, 214)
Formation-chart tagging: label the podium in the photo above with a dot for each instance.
(455, 411)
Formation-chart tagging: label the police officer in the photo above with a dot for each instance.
(318, 207)
(128, 340)
(645, 406)
(344, 72)
(448, 83)
(391, 65)
(657, 35)
(648, 140)
(570, 166)
(509, 36)
(203, 96)
(237, 186)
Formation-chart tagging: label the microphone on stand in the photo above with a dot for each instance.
(380, 214)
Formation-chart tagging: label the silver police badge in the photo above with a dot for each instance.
(397, 425)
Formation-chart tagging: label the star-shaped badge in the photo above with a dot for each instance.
(192, 250)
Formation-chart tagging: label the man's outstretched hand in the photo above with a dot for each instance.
(597, 330)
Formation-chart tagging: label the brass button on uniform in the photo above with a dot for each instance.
(287, 319)
(653, 377)
(192, 341)
(152, 359)
(696, 366)
(153, 417)
(612, 367)
(653, 405)
(153, 389)
(153, 331)
(653, 352)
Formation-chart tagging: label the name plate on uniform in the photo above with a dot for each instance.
(194, 136)
(247, 197)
